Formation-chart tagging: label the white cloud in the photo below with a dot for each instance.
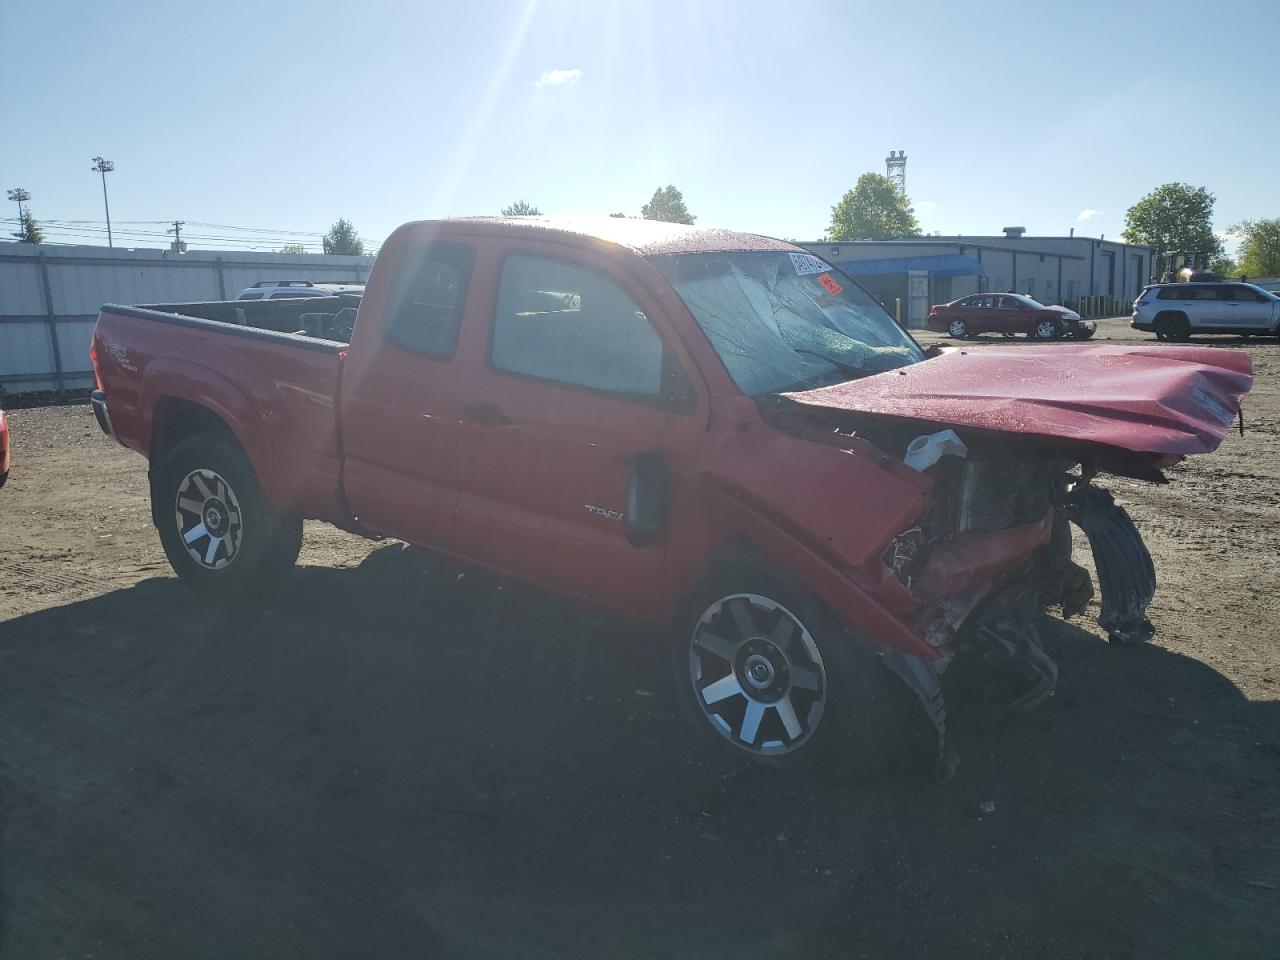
(1088, 213)
(558, 78)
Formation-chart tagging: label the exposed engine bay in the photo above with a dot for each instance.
(986, 490)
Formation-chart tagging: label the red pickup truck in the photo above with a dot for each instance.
(716, 432)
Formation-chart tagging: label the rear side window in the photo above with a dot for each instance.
(429, 296)
(572, 324)
(250, 296)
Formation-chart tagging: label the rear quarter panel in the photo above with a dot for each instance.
(276, 396)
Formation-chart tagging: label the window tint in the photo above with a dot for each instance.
(1244, 294)
(251, 296)
(572, 324)
(426, 311)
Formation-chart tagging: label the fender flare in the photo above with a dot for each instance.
(707, 524)
(183, 380)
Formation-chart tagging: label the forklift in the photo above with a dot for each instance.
(1180, 266)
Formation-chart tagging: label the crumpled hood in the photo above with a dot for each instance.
(1152, 400)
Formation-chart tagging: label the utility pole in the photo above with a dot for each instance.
(104, 167)
(177, 246)
(18, 195)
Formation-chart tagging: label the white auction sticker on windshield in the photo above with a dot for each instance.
(807, 263)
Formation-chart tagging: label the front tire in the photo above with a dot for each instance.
(1048, 330)
(220, 534)
(1173, 328)
(763, 675)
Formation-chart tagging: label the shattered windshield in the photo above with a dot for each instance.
(785, 320)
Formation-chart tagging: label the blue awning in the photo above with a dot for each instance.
(942, 265)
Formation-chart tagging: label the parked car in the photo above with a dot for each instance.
(1009, 314)
(713, 432)
(5, 456)
(295, 289)
(1174, 311)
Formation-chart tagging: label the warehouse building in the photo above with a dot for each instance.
(1093, 274)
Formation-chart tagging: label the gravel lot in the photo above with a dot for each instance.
(391, 760)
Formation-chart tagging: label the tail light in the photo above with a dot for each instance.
(93, 359)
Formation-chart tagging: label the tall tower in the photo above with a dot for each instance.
(895, 168)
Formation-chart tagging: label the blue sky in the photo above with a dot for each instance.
(288, 116)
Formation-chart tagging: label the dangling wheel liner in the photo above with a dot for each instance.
(1126, 575)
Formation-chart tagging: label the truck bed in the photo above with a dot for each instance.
(275, 388)
(325, 318)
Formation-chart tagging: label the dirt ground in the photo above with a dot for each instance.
(391, 761)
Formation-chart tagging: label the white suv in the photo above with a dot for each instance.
(296, 289)
(1174, 311)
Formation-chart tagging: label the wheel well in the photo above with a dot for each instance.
(1169, 315)
(738, 553)
(176, 419)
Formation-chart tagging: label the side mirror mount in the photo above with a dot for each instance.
(676, 387)
(648, 498)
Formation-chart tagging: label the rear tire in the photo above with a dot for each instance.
(762, 674)
(220, 534)
(958, 329)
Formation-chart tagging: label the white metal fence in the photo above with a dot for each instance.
(50, 295)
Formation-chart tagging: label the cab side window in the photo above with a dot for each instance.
(427, 303)
(572, 324)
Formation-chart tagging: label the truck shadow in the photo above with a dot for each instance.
(398, 756)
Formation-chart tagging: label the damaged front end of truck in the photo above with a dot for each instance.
(1012, 441)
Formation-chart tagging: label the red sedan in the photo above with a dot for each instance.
(4, 449)
(1009, 314)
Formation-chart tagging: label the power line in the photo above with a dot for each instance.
(253, 238)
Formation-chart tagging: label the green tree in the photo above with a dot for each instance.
(293, 248)
(1176, 217)
(1225, 267)
(521, 208)
(873, 210)
(28, 230)
(1259, 247)
(667, 204)
(343, 240)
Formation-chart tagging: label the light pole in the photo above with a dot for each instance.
(104, 167)
(18, 195)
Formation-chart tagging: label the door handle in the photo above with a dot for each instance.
(486, 414)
